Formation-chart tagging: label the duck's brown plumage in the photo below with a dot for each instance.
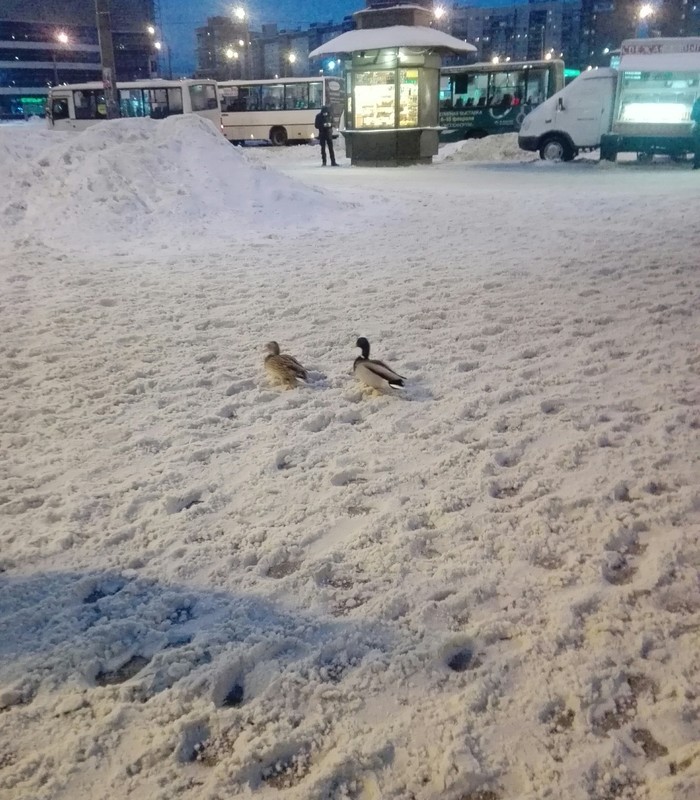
(283, 368)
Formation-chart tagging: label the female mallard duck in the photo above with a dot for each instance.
(283, 368)
(372, 372)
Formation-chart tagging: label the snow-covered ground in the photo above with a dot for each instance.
(483, 589)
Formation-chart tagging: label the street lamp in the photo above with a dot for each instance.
(291, 59)
(439, 16)
(231, 56)
(644, 15)
(241, 16)
(158, 47)
(62, 38)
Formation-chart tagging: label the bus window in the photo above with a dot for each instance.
(203, 97)
(251, 97)
(536, 88)
(296, 95)
(131, 103)
(89, 104)
(506, 89)
(175, 101)
(315, 94)
(59, 109)
(470, 90)
(446, 92)
(272, 97)
(158, 102)
(241, 98)
(229, 99)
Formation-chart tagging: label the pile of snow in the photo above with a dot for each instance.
(502, 147)
(21, 144)
(177, 179)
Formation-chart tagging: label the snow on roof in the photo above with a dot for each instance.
(400, 6)
(392, 36)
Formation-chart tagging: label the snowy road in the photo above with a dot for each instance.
(486, 589)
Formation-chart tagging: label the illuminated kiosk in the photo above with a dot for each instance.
(392, 84)
(658, 82)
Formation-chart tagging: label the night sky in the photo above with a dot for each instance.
(181, 17)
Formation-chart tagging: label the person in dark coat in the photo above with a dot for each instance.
(324, 125)
(695, 117)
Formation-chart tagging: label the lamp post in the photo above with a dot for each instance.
(644, 15)
(240, 17)
(109, 67)
(61, 38)
(231, 57)
(158, 46)
(291, 60)
(440, 17)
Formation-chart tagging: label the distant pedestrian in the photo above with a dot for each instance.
(695, 117)
(324, 125)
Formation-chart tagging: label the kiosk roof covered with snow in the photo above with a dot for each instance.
(393, 36)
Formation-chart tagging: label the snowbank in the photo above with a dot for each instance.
(171, 180)
(502, 147)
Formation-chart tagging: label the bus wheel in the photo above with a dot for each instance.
(278, 137)
(556, 148)
(645, 157)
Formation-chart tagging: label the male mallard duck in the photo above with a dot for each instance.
(372, 372)
(283, 368)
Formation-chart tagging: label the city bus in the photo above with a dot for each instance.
(278, 111)
(480, 99)
(74, 107)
